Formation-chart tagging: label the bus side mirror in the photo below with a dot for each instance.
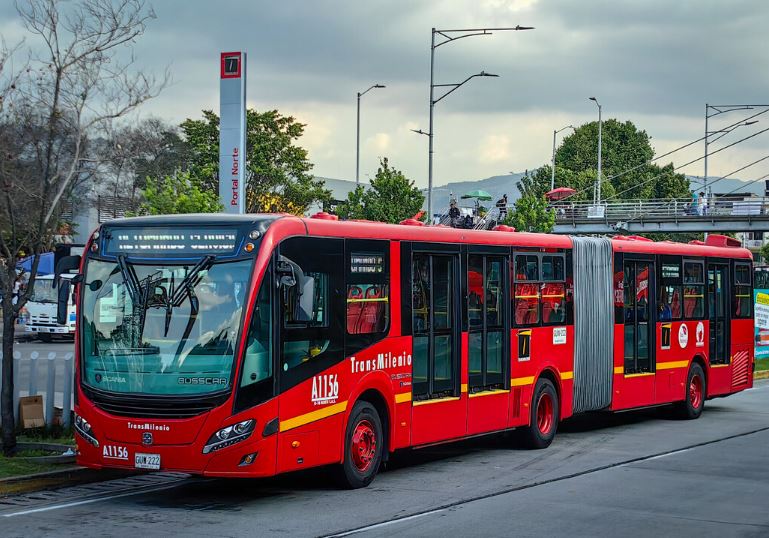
(65, 265)
(63, 301)
(290, 275)
(305, 299)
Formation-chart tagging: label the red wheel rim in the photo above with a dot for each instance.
(363, 445)
(695, 391)
(545, 413)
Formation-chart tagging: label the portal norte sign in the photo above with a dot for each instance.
(232, 131)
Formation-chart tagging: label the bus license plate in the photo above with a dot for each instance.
(147, 461)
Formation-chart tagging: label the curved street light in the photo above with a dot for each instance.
(555, 132)
(444, 37)
(357, 135)
(597, 189)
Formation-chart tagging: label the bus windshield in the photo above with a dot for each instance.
(162, 329)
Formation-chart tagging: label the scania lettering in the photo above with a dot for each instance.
(253, 345)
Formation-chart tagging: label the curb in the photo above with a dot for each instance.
(760, 374)
(38, 476)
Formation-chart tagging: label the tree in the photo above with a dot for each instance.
(277, 169)
(531, 212)
(53, 110)
(392, 197)
(626, 167)
(178, 193)
(149, 148)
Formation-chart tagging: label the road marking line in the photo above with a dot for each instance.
(90, 501)
(531, 485)
(386, 523)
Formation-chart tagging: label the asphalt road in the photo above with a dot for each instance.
(631, 474)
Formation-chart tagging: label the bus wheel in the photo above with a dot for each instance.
(363, 447)
(696, 390)
(545, 410)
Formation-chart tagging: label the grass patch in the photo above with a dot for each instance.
(762, 364)
(15, 467)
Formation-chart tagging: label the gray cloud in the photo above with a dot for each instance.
(655, 62)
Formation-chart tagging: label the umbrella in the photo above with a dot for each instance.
(560, 193)
(477, 194)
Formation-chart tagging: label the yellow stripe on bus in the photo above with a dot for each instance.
(672, 364)
(301, 420)
(488, 393)
(521, 381)
(436, 400)
(567, 375)
(372, 300)
(403, 397)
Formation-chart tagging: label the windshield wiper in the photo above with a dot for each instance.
(191, 280)
(131, 281)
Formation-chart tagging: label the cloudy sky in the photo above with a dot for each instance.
(655, 62)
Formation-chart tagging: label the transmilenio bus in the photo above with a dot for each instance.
(259, 344)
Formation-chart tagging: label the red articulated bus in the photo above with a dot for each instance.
(260, 344)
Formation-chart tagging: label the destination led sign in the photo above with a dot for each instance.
(171, 241)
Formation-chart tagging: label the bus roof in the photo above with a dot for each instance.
(287, 224)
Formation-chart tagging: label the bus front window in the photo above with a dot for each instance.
(162, 329)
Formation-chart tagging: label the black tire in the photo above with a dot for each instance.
(540, 433)
(350, 474)
(694, 397)
(45, 337)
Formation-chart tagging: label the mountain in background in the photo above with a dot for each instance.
(496, 186)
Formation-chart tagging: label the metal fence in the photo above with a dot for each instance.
(661, 209)
(48, 375)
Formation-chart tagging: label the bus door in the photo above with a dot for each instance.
(636, 388)
(438, 412)
(488, 333)
(719, 380)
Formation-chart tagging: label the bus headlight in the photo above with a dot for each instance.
(230, 435)
(83, 427)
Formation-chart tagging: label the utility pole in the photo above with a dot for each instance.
(357, 135)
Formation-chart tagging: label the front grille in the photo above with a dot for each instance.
(127, 405)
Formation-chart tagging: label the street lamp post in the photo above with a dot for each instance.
(552, 175)
(447, 36)
(597, 190)
(357, 134)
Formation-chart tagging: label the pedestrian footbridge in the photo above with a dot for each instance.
(721, 214)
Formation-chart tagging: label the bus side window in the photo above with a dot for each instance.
(694, 290)
(368, 291)
(257, 363)
(313, 340)
(670, 290)
(526, 290)
(743, 294)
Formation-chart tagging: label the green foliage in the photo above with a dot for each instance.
(625, 154)
(275, 164)
(531, 213)
(178, 193)
(392, 197)
(764, 253)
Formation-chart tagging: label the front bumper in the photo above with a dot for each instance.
(184, 458)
